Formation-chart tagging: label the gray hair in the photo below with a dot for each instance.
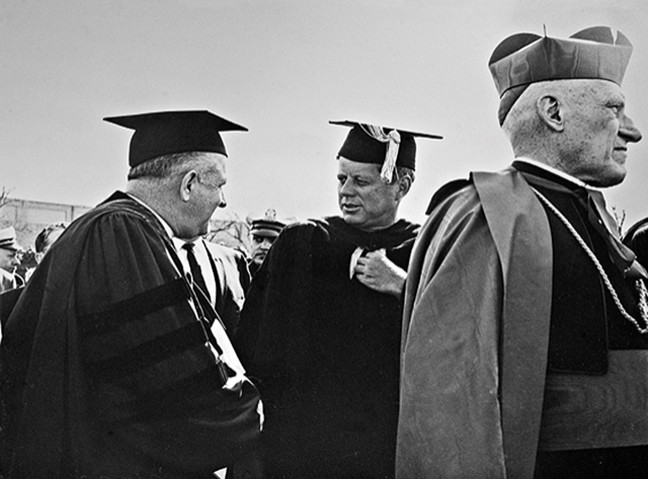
(522, 119)
(167, 166)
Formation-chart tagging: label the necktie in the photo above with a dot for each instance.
(203, 307)
(196, 273)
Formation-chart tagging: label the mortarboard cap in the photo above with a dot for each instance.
(385, 146)
(525, 58)
(8, 239)
(267, 226)
(167, 132)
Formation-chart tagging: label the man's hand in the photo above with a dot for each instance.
(379, 273)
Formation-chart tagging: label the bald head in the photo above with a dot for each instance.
(577, 126)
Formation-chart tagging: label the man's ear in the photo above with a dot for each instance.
(404, 185)
(550, 111)
(187, 184)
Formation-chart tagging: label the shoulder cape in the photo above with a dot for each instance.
(476, 323)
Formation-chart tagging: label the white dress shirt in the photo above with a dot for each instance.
(229, 355)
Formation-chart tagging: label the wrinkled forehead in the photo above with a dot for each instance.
(578, 91)
(608, 89)
(594, 89)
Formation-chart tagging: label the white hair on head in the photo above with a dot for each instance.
(523, 111)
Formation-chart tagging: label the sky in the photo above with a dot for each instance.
(283, 68)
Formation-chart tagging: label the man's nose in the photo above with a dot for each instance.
(346, 189)
(629, 131)
(223, 201)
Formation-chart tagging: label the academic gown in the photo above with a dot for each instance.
(499, 294)
(107, 371)
(324, 349)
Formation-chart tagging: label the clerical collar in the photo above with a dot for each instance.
(565, 176)
(164, 224)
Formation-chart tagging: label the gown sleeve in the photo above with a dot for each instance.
(120, 377)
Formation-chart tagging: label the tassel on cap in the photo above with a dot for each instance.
(387, 147)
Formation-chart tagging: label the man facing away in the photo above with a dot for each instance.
(320, 327)
(524, 346)
(112, 366)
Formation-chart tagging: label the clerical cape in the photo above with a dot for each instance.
(499, 294)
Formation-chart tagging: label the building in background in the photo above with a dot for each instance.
(30, 217)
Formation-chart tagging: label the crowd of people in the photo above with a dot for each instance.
(507, 337)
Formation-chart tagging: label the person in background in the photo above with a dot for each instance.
(320, 327)
(263, 232)
(9, 260)
(10, 282)
(111, 364)
(525, 345)
(46, 239)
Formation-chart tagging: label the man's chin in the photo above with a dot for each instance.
(350, 218)
(203, 229)
(609, 180)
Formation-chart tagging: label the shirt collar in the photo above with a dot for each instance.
(179, 242)
(555, 171)
(165, 225)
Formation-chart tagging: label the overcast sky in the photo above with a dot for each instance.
(283, 68)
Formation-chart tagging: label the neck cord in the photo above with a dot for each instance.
(639, 284)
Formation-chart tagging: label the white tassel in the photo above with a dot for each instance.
(387, 171)
(393, 139)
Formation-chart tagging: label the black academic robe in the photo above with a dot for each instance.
(325, 350)
(107, 371)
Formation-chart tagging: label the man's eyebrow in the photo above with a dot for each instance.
(615, 96)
